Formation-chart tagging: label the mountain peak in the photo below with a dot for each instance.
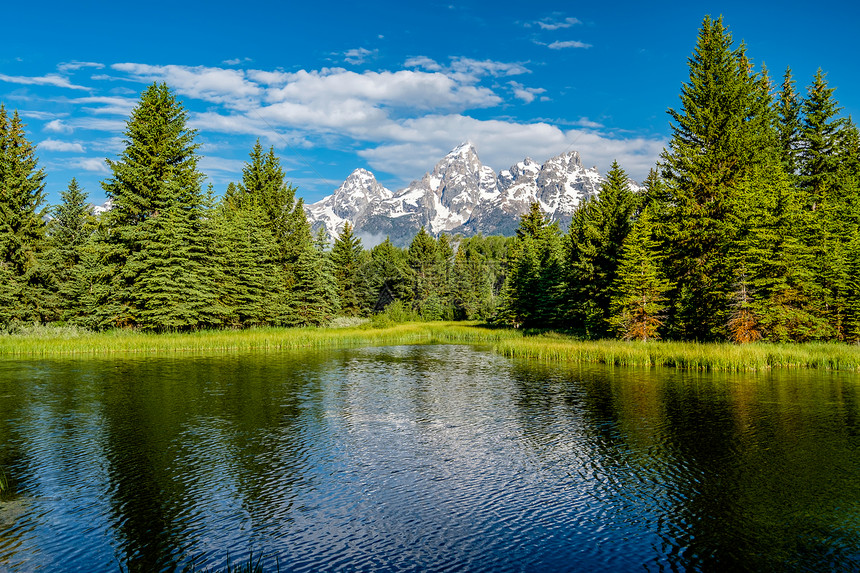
(460, 195)
(465, 149)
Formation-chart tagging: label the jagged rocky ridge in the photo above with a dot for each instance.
(460, 195)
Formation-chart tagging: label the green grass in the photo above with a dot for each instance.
(550, 347)
(722, 357)
(67, 341)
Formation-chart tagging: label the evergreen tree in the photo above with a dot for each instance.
(69, 233)
(532, 290)
(346, 257)
(251, 286)
(263, 182)
(638, 301)
(386, 277)
(725, 126)
(426, 263)
(155, 272)
(593, 249)
(22, 228)
(473, 279)
(820, 141)
(314, 299)
(789, 126)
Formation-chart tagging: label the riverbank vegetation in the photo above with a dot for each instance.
(748, 229)
(546, 346)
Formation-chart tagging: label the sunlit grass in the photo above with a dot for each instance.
(724, 357)
(549, 347)
(64, 341)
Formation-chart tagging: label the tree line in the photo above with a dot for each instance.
(170, 256)
(747, 229)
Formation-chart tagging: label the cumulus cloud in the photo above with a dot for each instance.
(46, 80)
(218, 85)
(402, 121)
(57, 126)
(57, 145)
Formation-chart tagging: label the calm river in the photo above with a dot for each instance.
(423, 458)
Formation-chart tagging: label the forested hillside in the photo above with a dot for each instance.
(747, 229)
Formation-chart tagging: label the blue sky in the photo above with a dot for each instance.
(388, 86)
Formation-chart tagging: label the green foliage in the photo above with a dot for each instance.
(346, 257)
(155, 270)
(593, 248)
(724, 128)
(639, 290)
(532, 289)
(69, 234)
(22, 227)
(386, 276)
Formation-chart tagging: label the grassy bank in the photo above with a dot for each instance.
(724, 357)
(68, 341)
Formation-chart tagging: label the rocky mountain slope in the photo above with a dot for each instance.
(460, 195)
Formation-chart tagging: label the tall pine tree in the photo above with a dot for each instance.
(156, 273)
(22, 227)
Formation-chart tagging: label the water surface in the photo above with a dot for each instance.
(423, 458)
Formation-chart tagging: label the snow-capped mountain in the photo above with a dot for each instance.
(460, 195)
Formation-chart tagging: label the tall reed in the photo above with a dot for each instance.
(723, 357)
(47, 342)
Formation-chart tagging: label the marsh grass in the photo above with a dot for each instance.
(720, 357)
(532, 345)
(57, 342)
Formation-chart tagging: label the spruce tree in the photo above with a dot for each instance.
(593, 249)
(346, 258)
(789, 126)
(69, 233)
(22, 227)
(820, 141)
(724, 127)
(386, 277)
(532, 291)
(638, 291)
(251, 287)
(426, 263)
(156, 273)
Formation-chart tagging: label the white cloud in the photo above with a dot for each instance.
(46, 80)
(358, 56)
(218, 85)
(525, 94)
(57, 126)
(39, 115)
(107, 105)
(91, 164)
(98, 124)
(56, 145)
(568, 44)
(423, 62)
(236, 61)
(76, 65)
(500, 144)
(585, 122)
(555, 24)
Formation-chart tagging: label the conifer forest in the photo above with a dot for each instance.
(747, 229)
